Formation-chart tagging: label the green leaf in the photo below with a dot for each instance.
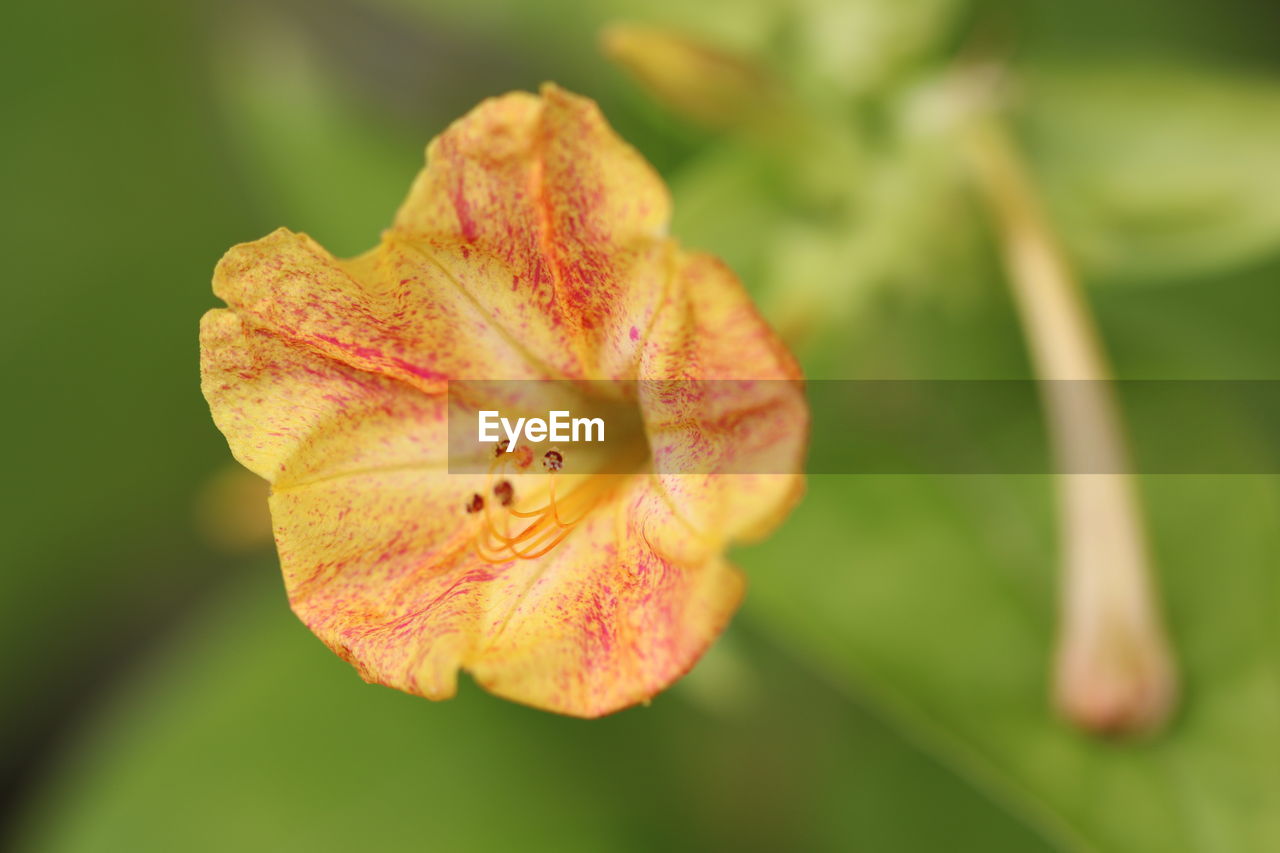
(247, 734)
(839, 213)
(861, 46)
(315, 162)
(1158, 171)
(935, 596)
(119, 203)
(722, 195)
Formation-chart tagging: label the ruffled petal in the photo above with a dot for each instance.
(599, 623)
(393, 311)
(380, 566)
(291, 414)
(552, 222)
(609, 621)
(745, 440)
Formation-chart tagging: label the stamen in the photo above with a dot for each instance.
(524, 456)
(547, 528)
(475, 504)
(545, 550)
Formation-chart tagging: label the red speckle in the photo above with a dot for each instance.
(635, 333)
(462, 207)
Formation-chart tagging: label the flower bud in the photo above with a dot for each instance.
(1115, 672)
(702, 82)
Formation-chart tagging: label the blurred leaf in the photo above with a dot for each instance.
(249, 735)
(861, 46)
(839, 213)
(724, 194)
(118, 201)
(1158, 171)
(1210, 30)
(1220, 328)
(935, 596)
(322, 167)
(565, 31)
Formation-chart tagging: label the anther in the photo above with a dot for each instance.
(552, 460)
(476, 503)
(504, 492)
(524, 456)
(501, 447)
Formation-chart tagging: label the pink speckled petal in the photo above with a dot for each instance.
(609, 621)
(755, 431)
(597, 624)
(292, 415)
(392, 311)
(552, 222)
(531, 247)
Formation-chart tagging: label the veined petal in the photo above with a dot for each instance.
(608, 621)
(554, 224)
(291, 414)
(379, 567)
(597, 624)
(393, 311)
(745, 434)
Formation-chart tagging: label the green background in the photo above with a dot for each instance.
(884, 687)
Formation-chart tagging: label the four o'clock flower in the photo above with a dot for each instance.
(532, 247)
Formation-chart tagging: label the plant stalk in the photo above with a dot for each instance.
(1114, 670)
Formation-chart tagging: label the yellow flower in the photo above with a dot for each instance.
(532, 247)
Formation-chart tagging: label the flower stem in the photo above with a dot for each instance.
(1114, 668)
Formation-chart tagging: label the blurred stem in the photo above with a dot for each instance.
(1114, 669)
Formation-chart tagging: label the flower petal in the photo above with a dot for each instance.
(750, 436)
(291, 414)
(378, 565)
(552, 222)
(393, 311)
(609, 621)
(597, 624)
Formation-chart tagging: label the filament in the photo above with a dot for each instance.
(495, 542)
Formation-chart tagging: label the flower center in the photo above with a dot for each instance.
(532, 503)
(509, 532)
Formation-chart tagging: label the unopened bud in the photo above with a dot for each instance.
(231, 512)
(701, 81)
(1115, 672)
(1117, 681)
